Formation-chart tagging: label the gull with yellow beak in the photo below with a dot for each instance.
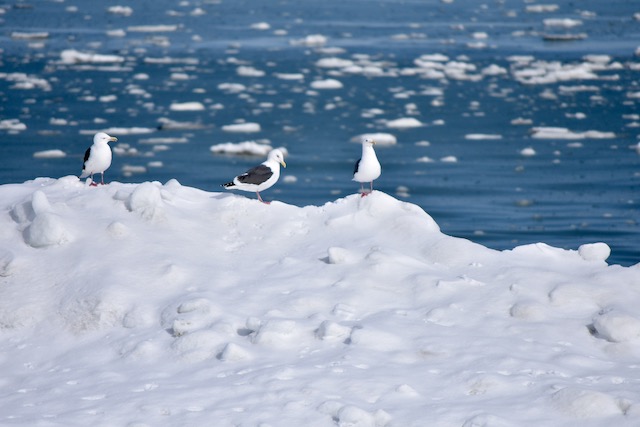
(261, 177)
(97, 158)
(367, 167)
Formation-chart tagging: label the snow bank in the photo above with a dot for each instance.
(159, 303)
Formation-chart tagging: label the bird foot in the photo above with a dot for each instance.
(93, 184)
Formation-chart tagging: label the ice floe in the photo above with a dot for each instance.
(243, 148)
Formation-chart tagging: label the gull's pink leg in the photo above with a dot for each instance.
(260, 198)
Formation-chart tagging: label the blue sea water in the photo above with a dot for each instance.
(572, 191)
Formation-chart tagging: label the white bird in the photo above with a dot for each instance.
(97, 158)
(261, 177)
(367, 167)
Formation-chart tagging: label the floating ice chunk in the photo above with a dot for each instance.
(481, 136)
(404, 123)
(326, 84)
(449, 159)
(334, 63)
(152, 28)
(23, 81)
(435, 57)
(528, 152)
(289, 76)
(166, 124)
(562, 22)
(72, 56)
(424, 159)
(251, 148)
(262, 26)
(17, 35)
(564, 133)
(187, 106)
(170, 60)
(594, 251)
(120, 10)
(12, 125)
(540, 8)
(247, 71)
(312, 40)
(380, 138)
(116, 33)
(494, 70)
(242, 128)
(179, 76)
(616, 326)
(521, 121)
(119, 131)
(232, 87)
(49, 154)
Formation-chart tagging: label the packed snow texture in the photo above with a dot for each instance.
(152, 304)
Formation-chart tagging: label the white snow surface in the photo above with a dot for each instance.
(164, 305)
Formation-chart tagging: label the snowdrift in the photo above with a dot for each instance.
(158, 304)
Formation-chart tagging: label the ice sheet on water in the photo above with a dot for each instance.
(241, 148)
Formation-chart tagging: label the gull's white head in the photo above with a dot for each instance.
(368, 141)
(103, 138)
(278, 156)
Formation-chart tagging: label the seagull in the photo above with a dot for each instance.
(97, 158)
(261, 177)
(367, 167)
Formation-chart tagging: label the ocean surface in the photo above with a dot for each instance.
(510, 122)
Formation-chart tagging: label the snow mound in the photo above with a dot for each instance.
(595, 251)
(43, 226)
(176, 301)
(146, 200)
(583, 403)
(615, 326)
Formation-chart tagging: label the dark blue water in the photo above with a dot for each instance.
(569, 193)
